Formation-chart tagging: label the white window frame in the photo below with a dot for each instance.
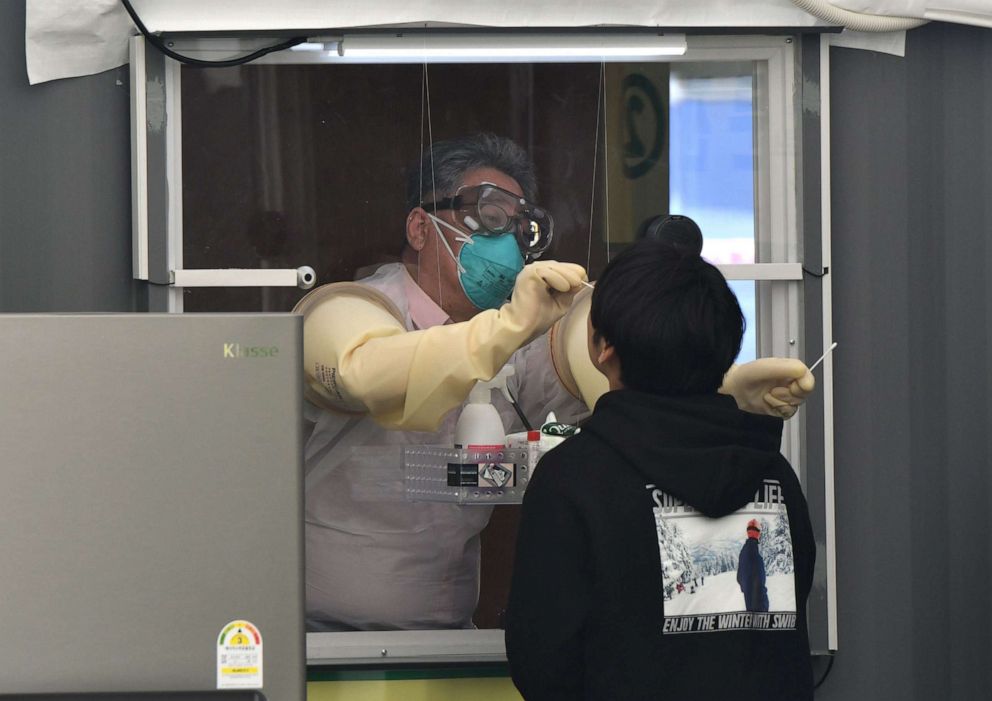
(158, 258)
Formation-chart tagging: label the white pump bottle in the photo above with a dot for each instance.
(479, 423)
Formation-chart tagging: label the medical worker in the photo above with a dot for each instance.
(390, 359)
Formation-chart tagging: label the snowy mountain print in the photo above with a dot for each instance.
(707, 564)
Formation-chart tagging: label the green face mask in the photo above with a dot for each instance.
(487, 265)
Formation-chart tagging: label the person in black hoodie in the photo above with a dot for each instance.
(656, 490)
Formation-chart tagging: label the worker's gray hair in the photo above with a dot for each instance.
(443, 166)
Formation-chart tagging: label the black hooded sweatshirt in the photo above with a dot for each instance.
(625, 581)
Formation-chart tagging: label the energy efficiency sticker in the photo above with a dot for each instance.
(239, 656)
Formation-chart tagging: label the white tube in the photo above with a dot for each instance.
(303, 277)
(856, 21)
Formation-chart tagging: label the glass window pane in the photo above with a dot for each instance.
(712, 165)
(288, 165)
(744, 289)
(712, 155)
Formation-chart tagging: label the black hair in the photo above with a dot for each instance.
(674, 322)
(677, 229)
(442, 166)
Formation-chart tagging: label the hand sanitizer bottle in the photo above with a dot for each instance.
(479, 425)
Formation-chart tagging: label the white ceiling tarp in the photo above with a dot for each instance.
(66, 38)
(222, 15)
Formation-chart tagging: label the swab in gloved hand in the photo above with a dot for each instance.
(542, 294)
(821, 358)
(784, 399)
(775, 386)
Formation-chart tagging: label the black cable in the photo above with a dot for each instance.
(520, 412)
(816, 275)
(826, 672)
(160, 45)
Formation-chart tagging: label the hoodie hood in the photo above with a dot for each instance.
(700, 449)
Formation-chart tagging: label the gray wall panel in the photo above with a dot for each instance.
(65, 221)
(910, 150)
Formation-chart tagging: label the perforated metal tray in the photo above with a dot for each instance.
(438, 473)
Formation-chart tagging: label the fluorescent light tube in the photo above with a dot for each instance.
(309, 46)
(419, 47)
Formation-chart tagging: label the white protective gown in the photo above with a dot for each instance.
(375, 561)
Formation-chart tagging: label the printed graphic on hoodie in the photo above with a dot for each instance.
(730, 573)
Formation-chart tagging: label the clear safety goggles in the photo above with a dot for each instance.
(492, 211)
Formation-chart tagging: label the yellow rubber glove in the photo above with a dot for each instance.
(542, 293)
(774, 386)
(359, 357)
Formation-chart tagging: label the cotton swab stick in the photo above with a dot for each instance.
(820, 359)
